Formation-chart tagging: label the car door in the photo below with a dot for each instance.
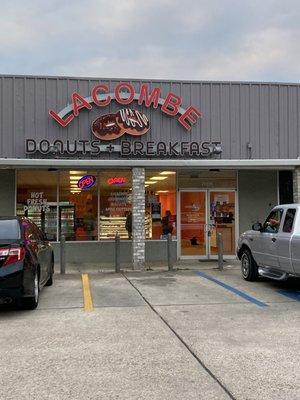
(42, 252)
(266, 245)
(284, 240)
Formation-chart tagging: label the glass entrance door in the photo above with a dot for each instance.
(193, 215)
(204, 214)
(221, 220)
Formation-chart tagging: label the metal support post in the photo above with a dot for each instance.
(169, 254)
(62, 254)
(220, 251)
(117, 252)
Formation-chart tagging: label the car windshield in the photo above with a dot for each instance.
(9, 229)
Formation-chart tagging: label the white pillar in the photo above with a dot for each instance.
(296, 185)
(138, 218)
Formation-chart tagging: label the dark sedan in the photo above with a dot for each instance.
(26, 262)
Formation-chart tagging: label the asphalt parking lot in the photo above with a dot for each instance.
(188, 334)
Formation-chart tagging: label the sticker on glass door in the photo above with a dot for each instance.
(193, 223)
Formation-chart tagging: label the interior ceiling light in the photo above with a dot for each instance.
(162, 191)
(146, 185)
(75, 178)
(167, 173)
(150, 182)
(77, 172)
(158, 178)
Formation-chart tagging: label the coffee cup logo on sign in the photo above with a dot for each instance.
(113, 126)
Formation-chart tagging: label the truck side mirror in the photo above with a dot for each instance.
(257, 226)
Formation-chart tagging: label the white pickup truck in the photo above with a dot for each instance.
(272, 249)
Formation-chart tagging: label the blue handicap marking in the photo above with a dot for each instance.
(232, 289)
(292, 294)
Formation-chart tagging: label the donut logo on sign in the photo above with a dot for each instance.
(113, 126)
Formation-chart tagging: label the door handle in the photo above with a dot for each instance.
(273, 239)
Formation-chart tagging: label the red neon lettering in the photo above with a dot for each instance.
(118, 90)
(61, 121)
(149, 99)
(118, 180)
(95, 90)
(85, 182)
(78, 103)
(191, 115)
(171, 104)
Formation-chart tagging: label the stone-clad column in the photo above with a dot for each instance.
(296, 185)
(138, 218)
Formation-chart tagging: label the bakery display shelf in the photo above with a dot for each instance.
(108, 226)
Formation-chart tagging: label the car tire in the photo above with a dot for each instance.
(50, 279)
(249, 266)
(31, 303)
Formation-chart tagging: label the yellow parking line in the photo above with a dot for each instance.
(87, 297)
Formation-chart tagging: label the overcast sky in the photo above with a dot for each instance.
(169, 39)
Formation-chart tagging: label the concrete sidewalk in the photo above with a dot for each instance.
(157, 266)
(155, 335)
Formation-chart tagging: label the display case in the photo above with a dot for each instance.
(67, 221)
(109, 226)
(49, 222)
(20, 210)
(35, 216)
(45, 220)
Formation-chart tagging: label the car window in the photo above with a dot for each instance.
(289, 220)
(272, 223)
(9, 229)
(29, 231)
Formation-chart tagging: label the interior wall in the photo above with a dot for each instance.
(7, 192)
(258, 194)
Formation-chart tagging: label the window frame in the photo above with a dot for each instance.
(294, 218)
(265, 226)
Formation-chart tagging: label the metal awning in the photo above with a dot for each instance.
(179, 163)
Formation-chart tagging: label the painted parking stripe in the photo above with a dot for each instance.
(238, 292)
(291, 294)
(87, 297)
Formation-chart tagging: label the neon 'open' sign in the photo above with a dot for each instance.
(86, 182)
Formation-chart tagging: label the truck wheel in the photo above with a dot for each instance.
(249, 266)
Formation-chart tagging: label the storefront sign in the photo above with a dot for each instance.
(113, 126)
(136, 148)
(119, 202)
(86, 182)
(118, 180)
(124, 94)
(37, 203)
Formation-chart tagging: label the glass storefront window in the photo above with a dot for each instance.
(207, 179)
(78, 207)
(115, 204)
(96, 210)
(222, 220)
(37, 199)
(160, 199)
